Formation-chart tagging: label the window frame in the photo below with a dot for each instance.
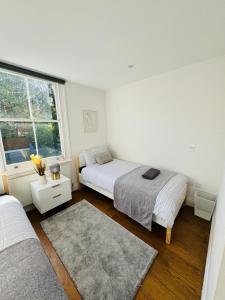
(33, 121)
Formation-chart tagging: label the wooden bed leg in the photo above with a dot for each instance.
(77, 164)
(168, 235)
(5, 184)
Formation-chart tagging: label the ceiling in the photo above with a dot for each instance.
(93, 41)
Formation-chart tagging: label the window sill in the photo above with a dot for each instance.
(28, 170)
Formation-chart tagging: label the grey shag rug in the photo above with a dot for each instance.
(104, 259)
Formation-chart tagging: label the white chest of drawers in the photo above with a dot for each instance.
(54, 193)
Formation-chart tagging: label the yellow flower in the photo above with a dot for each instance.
(39, 164)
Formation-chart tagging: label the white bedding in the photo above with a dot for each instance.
(169, 199)
(14, 224)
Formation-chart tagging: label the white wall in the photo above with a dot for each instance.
(215, 266)
(81, 98)
(220, 289)
(154, 120)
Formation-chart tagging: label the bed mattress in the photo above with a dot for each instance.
(14, 224)
(168, 201)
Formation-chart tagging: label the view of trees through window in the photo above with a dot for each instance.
(28, 118)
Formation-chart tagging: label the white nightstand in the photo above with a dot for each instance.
(52, 194)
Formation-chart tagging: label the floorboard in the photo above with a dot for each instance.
(177, 272)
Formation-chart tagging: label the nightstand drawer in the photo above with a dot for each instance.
(58, 188)
(54, 201)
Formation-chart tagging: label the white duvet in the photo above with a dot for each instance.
(14, 224)
(168, 201)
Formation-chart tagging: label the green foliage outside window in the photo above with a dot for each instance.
(28, 118)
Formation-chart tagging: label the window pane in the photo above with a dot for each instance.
(13, 96)
(42, 99)
(18, 141)
(48, 139)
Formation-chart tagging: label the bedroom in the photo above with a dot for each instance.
(106, 91)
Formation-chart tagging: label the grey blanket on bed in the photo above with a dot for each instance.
(135, 196)
(26, 273)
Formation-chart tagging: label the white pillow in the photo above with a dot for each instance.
(82, 159)
(103, 158)
(89, 157)
(90, 154)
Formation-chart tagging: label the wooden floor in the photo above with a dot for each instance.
(176, 273)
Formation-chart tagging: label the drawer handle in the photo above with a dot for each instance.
(57, 195)
(54, 186)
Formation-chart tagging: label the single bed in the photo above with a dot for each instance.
(102, 179)
(25, 271)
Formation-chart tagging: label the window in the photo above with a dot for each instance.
(29, 118)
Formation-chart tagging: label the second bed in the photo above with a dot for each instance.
(102, 178)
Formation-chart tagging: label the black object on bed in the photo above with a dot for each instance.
(4, 194)
(80, 169)
(151, 174)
